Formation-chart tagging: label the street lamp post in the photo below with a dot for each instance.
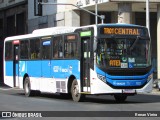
(96, 11)
(147, 15)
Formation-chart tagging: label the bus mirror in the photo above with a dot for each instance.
(95, 44)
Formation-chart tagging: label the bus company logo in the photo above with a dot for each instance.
(56, 69)
(60, 69)
(119, 83)
(138, 83)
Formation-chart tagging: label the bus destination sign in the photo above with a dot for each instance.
(71, 37)
(121, 31)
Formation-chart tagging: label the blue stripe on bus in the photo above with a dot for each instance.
(33, 68)
(65, 68)
(9, 68)
(46, 68)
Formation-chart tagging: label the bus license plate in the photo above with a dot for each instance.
(129, 91)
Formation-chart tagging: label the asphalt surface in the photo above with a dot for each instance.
(16, 101)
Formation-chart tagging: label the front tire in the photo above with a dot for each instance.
(27, 88)
(76, 96)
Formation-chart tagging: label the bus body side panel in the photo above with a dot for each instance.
(22, 71)
(8, 79)
(100, 87)
(47, 82)
(34, 72)
(61, 70)
(50, 76)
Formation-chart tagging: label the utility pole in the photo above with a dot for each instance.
(96, 11)
(147, 16)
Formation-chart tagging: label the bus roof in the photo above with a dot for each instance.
(53, 31)
(62, 30)
(18, 37)
(43, 32)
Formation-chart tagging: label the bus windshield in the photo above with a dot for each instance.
(123, 53)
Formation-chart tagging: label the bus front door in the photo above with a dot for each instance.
(16, 66)
(85, 64)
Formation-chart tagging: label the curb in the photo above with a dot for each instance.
(155, 91)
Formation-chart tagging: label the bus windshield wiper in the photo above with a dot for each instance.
(134, 43)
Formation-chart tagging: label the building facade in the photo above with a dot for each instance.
(13, 21)
(17, 17)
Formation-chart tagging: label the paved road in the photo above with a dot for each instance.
(14, 100)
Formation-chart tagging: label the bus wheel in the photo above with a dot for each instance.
(76, 96)
(27, 87)
(120, 98)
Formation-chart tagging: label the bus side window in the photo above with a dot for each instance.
(35, 48)
(71, 46)
(57, 47)
(46, 49)
(8, 51)
(24, 45)
(70, 49)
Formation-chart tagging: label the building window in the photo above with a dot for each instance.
(1, 1)
(11, 26)
(20, 24)
(1, 31)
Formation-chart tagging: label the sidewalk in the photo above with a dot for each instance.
(155, 91)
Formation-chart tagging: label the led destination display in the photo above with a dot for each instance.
(122, 31)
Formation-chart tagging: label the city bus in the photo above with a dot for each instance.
(104, 59)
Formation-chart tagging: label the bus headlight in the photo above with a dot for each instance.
(149, 77)
(101, 77)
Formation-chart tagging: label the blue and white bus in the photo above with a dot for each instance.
(112, 59)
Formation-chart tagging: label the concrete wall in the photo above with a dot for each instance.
(6, 3)
(158, 41)
(53, 15)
